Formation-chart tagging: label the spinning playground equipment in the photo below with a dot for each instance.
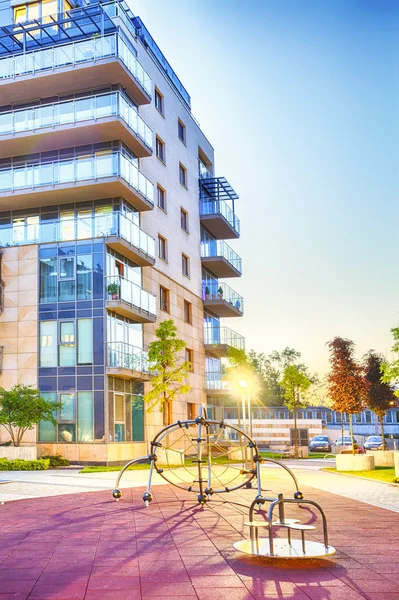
(210, 457)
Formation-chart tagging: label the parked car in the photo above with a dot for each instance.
(373, 442)
(320, 443)
(347, 441)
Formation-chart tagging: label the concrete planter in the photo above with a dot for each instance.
(357, 462)
(19, 452)
(382, 458)
(396, 461)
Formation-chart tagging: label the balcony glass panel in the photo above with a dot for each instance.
(223, 336)
(119, 288)
(212, 289)
(125, 356)
(81, 168)
(88, 50)
(76, 111)
(214, 381)
(210, 248)
(86, 226)
(210, 206)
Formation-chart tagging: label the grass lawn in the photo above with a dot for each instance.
(386, 474)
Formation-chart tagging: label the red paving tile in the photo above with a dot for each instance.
(87, 547)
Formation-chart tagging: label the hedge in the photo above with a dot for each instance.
(56, 460)
(24, 465)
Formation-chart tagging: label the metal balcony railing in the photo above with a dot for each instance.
(120, 289)
(77, 169)
(77, 110)
(210, 206)
(212, 289)
(219, 248)
(74, 53)
(79, 228)
(223, 336)
(125, 356)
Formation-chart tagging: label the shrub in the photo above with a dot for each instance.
(56, 460)
(24, 465)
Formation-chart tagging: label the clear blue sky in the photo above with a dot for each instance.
(300, 100)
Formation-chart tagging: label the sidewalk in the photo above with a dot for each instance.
(87, 546)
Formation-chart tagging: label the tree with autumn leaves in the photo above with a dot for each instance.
(347, 385)
(380, 395)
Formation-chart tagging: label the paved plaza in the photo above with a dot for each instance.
(84, 545)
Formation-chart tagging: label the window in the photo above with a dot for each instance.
(162, 247)
(67, 348)
(183, 175)
(119, 413)
(161, 194)
(181, 131)
(160, 149)
(184, 219)
(185, 265)
(164, 299)
(188, 357)
(159, 103)
(368, 416)
(37, 10)
(188, 312)
(66, 425)
(48, 344)
(191, 411)
(138, 419)
(85, 341)
(85, 417)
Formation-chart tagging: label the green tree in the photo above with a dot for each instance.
(347, 386)
(21, 408)
(380, 395)
(169, 370)
(390, 369)
(295, 383)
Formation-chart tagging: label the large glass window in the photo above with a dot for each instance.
(48, 279)
(84, 276)
(67, 344)
(119, 412)
(67, 411)
(85, 341)
(47, 430)
(137, 419)
(48, 344)
(85, 417)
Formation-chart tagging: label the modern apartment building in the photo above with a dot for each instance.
(112, 219)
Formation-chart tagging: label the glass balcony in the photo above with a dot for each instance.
(92, 168)
(130, 300)
(112, 225)
(221, 299)
(124, 357)
(87, 52)
(218, 339)
(75, 112)
(215, 382)
(219, 218)
(220, 259)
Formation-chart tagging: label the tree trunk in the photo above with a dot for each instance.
(342, 428)
(295, 435)
(381, 417)
(351, 432)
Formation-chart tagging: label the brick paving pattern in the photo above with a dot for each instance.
(87, 546)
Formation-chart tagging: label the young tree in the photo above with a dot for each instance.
(21, 408)
(295, 382)
(347, 386)
(380, 395)
(390, 370)
(168, 369)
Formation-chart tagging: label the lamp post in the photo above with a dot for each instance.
(246, 428)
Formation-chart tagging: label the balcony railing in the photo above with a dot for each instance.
(223, 336)
(219, 248)
(210, 206)
(215, 381)
(75, 53)
(125, 356)
(76, 169)
(74, 111)
(80, 228)
(120, 289)
(216, 290)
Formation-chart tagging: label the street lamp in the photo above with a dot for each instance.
(244, 385)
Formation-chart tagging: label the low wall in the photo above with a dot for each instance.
(396, 461)
(382, 458)
(113, 453)
(357, 462)
(15, 452)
